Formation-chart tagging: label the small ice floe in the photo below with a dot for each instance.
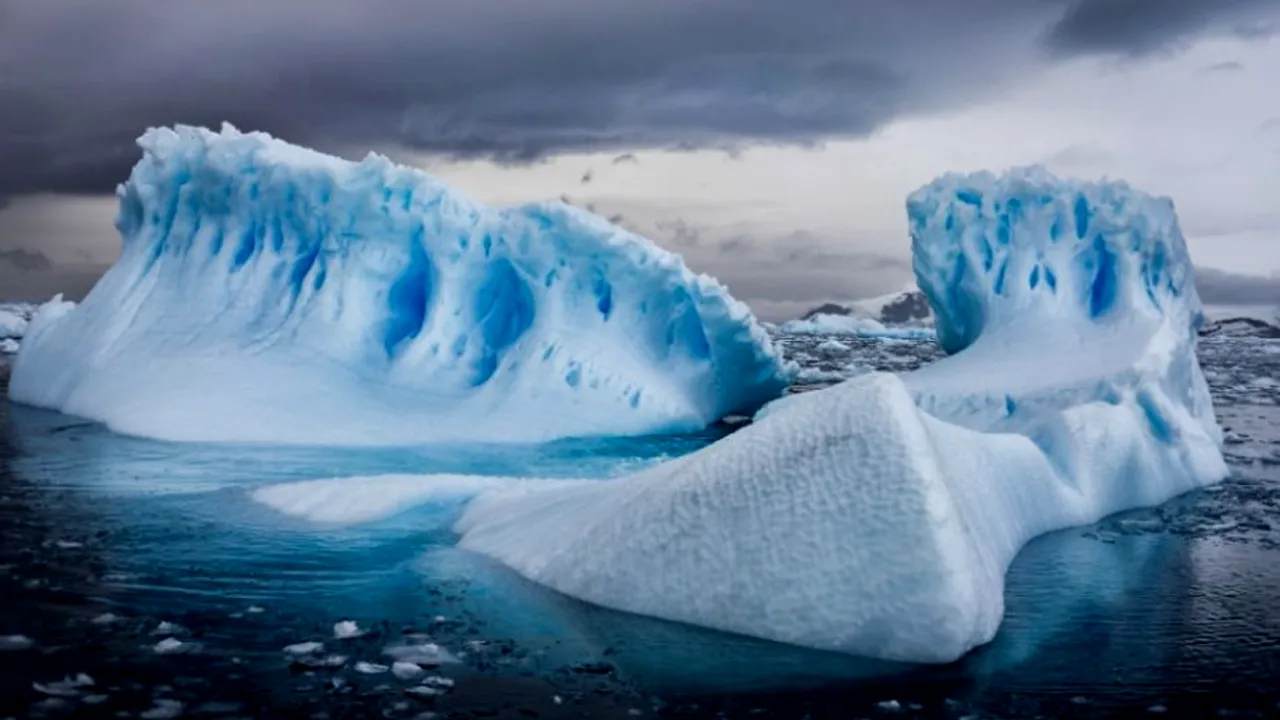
(369, 668)
(304, 648)
(406, 670)
(328, 661)
(68, 544)
(346, 630)
(437, 681)
(423, 691)
(889, 705)
(428, 654)
(66, 687)
(93, 699)
(15, 642)
(104, 619)
(50, 706)
(169, 646)
(164, 709)
(254, 610)
(168, 628)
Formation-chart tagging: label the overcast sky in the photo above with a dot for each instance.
(772, 142)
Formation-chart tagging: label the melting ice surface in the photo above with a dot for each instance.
(297, 298)
(878, 517)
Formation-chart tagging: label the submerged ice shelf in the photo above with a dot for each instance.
(294, 297)
(878, 517)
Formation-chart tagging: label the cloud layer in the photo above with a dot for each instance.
(515, 80)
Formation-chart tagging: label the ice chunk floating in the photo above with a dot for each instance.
(267, 292)
(878, 517)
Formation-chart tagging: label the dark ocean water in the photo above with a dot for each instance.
(1169, 612)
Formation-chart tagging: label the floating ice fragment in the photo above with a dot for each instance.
(164, 709)
(346, 629)
(437, 681)
(169, 646)
(889, 705)
(406, 670)
(254, 610)
(423, 691)
(104, 619)
(49, 706)
(428, 654)
(304, 648)
(15, 642)
(369, 668)
(93, 699)
(67, 687)
(168, 628)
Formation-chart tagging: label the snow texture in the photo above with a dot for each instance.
(878, 517)
(294, 297)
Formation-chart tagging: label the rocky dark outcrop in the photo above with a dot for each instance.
(826, 309)
(1240, 327)
(908, 307)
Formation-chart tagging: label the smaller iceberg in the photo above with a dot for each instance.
(269, 293)
(878, 517)
(853, 326)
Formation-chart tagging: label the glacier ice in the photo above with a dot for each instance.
(878, 517)
(270, 293)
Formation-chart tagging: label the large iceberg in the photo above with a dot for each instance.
(878, 517)
(270, 293)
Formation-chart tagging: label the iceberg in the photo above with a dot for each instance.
(852, 326)
(14, 318)
(270, 293)
(878, 517)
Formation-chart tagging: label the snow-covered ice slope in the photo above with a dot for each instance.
(267, 292)
(878, 517)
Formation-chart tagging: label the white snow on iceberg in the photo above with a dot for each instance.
(878, 517)
(270, 293)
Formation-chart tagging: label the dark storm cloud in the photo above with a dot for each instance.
(1217, 287)
(513, 79)
(1137, 27)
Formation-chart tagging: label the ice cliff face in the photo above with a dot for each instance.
(266, 292)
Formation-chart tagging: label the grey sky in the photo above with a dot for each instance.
(868, 87)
